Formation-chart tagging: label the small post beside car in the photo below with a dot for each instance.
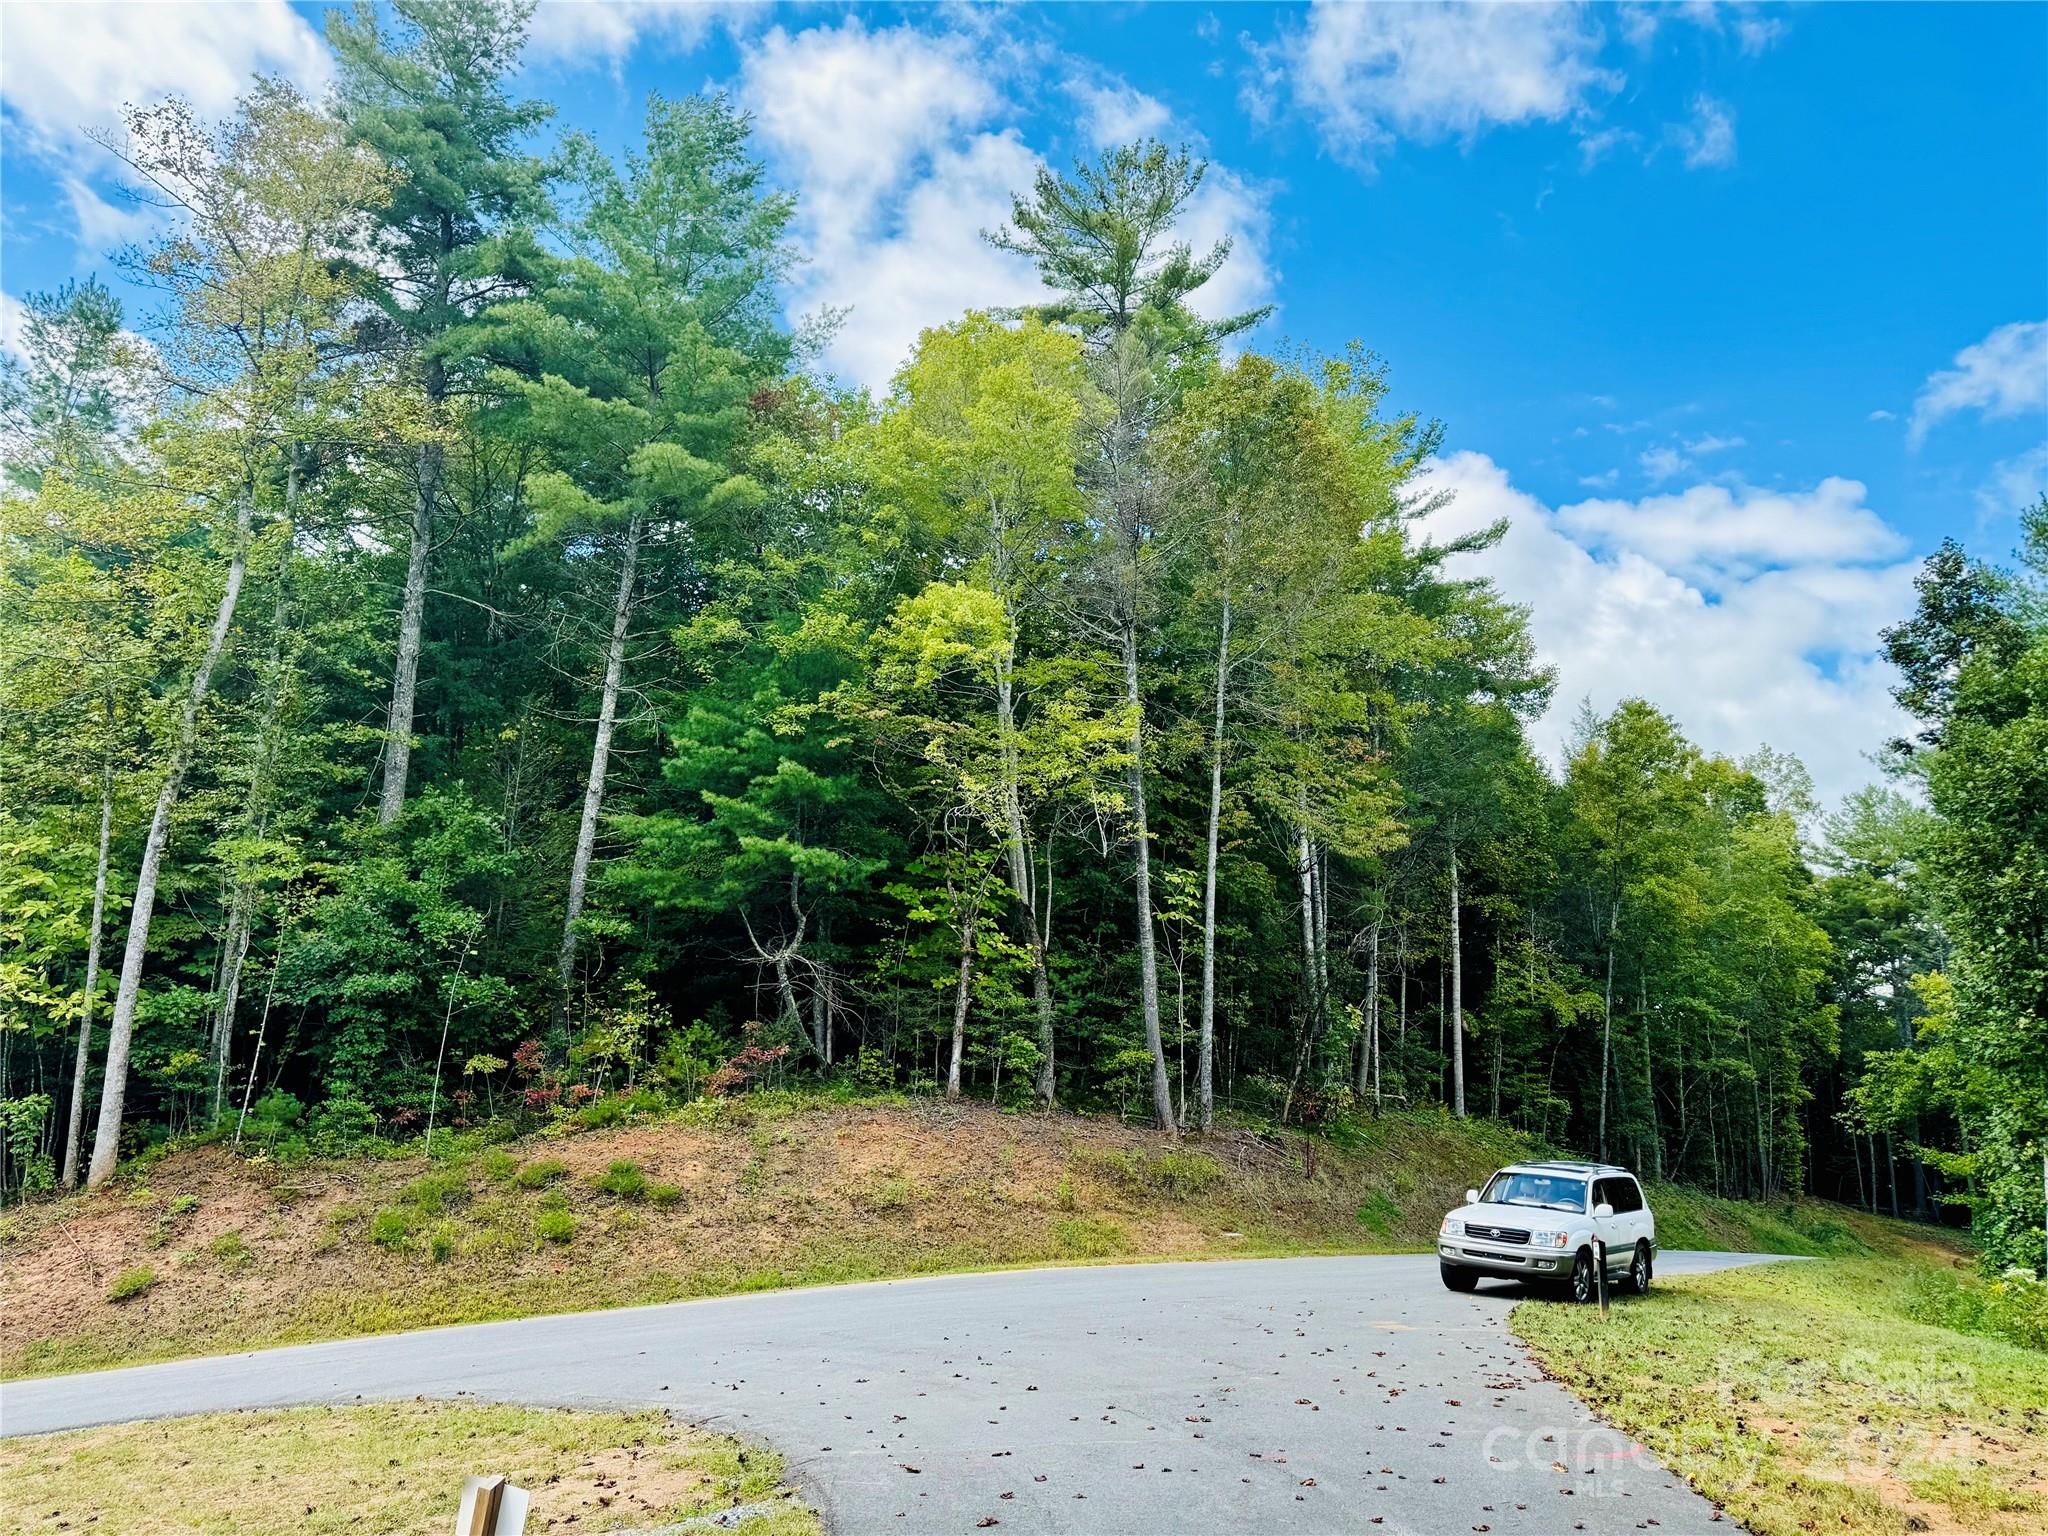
(1552, 1221)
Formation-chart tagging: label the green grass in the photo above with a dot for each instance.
(625, 1178)
(390, 1467)
(1820, 1396)
(543, 1171)
(131, 1283)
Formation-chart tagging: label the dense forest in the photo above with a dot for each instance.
(462, 665)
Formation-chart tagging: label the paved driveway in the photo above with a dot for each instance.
(1266, 1396)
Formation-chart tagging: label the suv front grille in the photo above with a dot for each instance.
(1498, 1234)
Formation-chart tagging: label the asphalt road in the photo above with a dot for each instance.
(1287, 1395)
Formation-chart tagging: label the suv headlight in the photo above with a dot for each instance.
(1548, 1239)
(1451, 1228)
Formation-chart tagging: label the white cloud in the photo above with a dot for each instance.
(1713, 444)
(577, 32)
(1756, 33)
(932, 265)
(2005, 374)
(896, 144)
(103, 225)
(13, 317)
(1115, 112)
(1784, 653)
(1228, 206)
(1370, 74)
(1598, 145)
(1715, 533)
(1662, 464)
(1709, 139)
(2015, 483)
(883, 134)
(71, 68)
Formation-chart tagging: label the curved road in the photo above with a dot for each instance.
(1282, 1395)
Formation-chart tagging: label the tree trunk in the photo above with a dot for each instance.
(1607, 1019)
(960, 1005)
(1457, 997)
(1369, 1057)
(1205, 1068)
(234, 951)
(1650, 1093)
(1018, 854)
(114, 1092)
(1148, 958)
(593, 784)
(411, 613)
(1311, 975)
(74, 1131)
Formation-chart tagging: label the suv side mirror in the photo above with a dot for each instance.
(1602, 1211)
(1471, 1197)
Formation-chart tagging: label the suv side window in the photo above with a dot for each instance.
(1623, 1195)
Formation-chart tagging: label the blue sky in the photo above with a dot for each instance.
(1734, 310)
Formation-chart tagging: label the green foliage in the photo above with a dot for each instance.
(557, 1227)
(542, 1171)
(131, 1283)
(1088, 1237)
(624, 1178)
(392, 1227)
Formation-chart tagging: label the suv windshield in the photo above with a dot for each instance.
(1548, 1190)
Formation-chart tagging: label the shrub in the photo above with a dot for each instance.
(601, 1114)
(131, 1283)
(886, 1192)
(498, 1165)
(556, 1226)
(441, 1190)
(340, 1126)
(1063, 1193)
(665, 1194)
(873, 1070)
(625, 1179)
(546, 1171)
(1087, 1237)
(390, 1227)
(2013, 1307)
(442, 1244)
(1185, 1173)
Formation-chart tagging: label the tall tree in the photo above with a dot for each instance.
(642, 351)
(270, 202)
(1102, 240)
(430, 98)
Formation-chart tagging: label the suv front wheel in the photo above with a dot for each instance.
(1585, 1284)
(1457, 1278)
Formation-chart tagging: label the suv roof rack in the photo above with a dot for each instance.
(1565, 1166)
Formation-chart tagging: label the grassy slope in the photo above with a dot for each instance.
(313, 1470)
(1829, 1396)
(222, 1253)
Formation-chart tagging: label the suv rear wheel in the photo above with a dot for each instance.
(1639, 1270)
(1457, 1278)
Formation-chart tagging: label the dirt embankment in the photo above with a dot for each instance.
(206, 1250)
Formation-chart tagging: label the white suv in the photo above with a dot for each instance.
(1546, 1221)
